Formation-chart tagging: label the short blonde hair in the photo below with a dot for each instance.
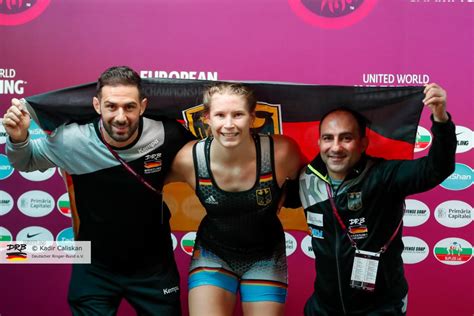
(230, 88)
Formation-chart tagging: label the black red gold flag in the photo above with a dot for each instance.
(283, 108)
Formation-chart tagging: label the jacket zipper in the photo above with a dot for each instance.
(337, 258)
(338, 271)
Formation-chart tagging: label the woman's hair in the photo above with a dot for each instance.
(232, 89)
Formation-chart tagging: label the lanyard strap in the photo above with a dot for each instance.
(344, 228)
(125, 165)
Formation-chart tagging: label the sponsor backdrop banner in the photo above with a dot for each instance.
(48, 45)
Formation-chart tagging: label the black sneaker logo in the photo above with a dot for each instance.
(32, 235)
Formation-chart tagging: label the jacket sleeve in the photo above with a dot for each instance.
(414, 176)
(30, 155)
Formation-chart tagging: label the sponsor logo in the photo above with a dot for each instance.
(291, 244)
(267, 119)
(65, 239)
(152, 163)
(34, 233)
(453, 251)
(38, 175)
(6, 202)
(15, 252)
(415, 250)
(66, 235)
(150, 146)
(174, 241)
(6, 169)
(460, 179)
(187, 242)
(194, 75)
(416, 213)
(35, 131)
(5, 235)
(314, 219)
(29, 236)
(354, 201)
(264, 196)
(3, 133)
(35, 203)
(464, 138)
(9, 84)
(316, 233)
(357, 228)
(171, 290)
(307, 247)
(423, 139)
(211, 200)
(454, 214)
(64, 205)
(332, 14)
(16, 12)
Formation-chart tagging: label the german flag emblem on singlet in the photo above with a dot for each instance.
(203, 181)
(264, 196)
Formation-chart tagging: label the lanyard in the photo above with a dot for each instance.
(130, 169)
(344, 228)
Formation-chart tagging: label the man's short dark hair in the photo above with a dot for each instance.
(361, 120)
(120, 75)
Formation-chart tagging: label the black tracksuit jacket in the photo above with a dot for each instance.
(370, 202)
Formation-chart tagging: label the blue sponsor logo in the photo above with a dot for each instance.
(6, 169)
(317, 233)
(460, 179)
(65, 235)
(35, 131)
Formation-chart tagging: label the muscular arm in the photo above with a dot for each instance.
(288, 163)
(182, 169)
(288, 158)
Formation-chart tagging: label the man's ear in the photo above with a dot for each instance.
(365, 143)
(143, 105)
(96, 103)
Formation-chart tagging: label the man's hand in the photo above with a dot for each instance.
(435, 99)
(16, 122)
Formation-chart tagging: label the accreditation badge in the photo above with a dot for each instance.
(364, 270)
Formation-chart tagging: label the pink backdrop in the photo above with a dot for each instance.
(64, 43)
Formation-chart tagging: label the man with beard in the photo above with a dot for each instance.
(354, 206)
(117, 164)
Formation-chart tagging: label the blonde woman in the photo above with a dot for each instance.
(238, 177)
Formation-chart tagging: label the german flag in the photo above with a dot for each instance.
(152, 164)
(16, 256)
(393, 114)
(358, 229)
(205, 181)
(266, 177)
